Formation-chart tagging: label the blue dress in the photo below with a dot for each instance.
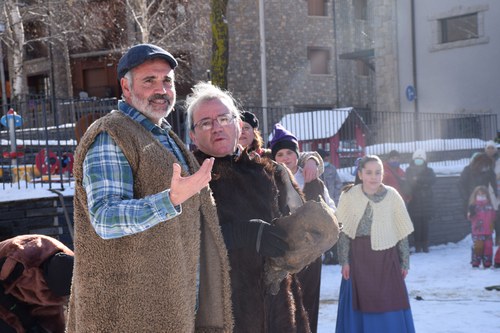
(374, 299)
(352, 321)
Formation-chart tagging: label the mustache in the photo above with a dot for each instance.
(160, 96)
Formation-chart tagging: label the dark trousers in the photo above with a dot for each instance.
(421, 233)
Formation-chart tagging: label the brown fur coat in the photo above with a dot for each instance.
(30, 287)
(247, 189)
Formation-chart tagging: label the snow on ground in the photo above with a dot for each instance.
(454, 298)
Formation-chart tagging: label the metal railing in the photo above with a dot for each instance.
(45, 140)
(47, 136)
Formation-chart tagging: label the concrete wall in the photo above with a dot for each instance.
(449, 223)
(38, 216)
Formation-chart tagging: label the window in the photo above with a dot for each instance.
(459, 28)
(35, 48)
(316, 8)
(360, 9)
(319, 59)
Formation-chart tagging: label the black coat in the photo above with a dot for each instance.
(245, 189)
(469, 179)
(420, 180)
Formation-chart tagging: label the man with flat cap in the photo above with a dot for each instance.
(149, 255)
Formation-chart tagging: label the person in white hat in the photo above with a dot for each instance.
(491, 149)
(420, 178)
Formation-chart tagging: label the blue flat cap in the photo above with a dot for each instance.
(138, 54)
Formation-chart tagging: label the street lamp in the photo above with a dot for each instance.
(2, 71)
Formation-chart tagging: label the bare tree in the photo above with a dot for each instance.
(181, 26)
(13, 37)
(52, 27)
(220, 43)
(63, 27)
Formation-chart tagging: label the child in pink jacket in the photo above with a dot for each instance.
(481, 214)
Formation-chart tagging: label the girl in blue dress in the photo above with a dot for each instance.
(374, 254)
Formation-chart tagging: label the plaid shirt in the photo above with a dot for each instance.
(108, 182)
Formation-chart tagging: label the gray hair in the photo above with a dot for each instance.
(130, 79)
(203, 92)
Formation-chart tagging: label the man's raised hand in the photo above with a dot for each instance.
(183, 188)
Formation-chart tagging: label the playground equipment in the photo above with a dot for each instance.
(12, 120)
(47, 163)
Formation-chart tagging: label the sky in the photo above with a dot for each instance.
(454, 298)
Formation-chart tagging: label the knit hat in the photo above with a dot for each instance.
(283, 139)
(490, 143)
(249, 117)
(58, 272)
(420, 153)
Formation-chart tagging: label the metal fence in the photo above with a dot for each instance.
(39, 152)
(446, 137)
(40, 149)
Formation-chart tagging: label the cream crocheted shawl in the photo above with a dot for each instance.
(391, 222)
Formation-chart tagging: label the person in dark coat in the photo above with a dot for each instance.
(420, 178)
(480, 171)
(249, 196)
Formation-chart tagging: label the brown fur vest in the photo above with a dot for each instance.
(146, 282)
(247, 189)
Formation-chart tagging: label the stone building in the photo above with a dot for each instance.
(385, 55)
(300, 53)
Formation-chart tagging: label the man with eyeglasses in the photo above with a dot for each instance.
(249, 195)
(149, 255)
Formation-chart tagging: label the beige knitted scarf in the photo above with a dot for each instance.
(391, 222)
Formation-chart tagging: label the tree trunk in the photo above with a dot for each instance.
(17, 35)
(220, 43)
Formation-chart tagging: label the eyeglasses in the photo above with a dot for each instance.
(207, 124)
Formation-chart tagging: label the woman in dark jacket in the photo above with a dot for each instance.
(480, 171)
(420, 179)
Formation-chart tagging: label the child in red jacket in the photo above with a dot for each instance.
(481, 214)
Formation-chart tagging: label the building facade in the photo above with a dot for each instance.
(384, 55)
(71, 49)
(299, 52)
(456, 47)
